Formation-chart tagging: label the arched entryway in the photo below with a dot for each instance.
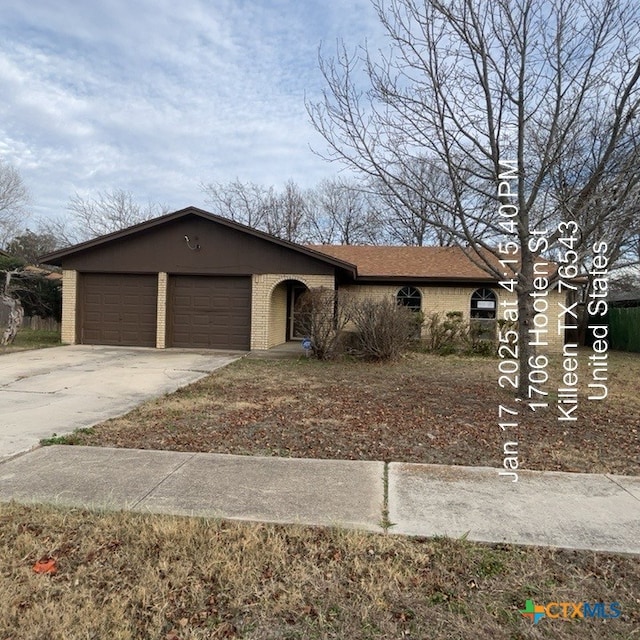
(283, 323)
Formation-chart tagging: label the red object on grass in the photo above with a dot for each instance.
(46, 565)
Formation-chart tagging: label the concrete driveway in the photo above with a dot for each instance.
(57, 390)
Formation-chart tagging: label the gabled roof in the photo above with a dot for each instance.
(393, 262)
(56, 257)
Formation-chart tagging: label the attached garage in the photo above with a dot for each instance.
(117, 309)
(210, 312)
(188, 279)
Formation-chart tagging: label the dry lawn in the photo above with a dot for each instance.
(28, 339)
(132, 576)
(424, 408)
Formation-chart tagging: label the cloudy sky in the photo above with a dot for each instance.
(158, 96)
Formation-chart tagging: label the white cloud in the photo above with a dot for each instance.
(156, 96)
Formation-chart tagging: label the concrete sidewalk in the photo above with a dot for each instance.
(579, 511)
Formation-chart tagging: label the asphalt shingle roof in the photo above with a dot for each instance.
(419, 262)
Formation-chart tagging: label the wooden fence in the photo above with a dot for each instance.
(624, 328)
(40, 324)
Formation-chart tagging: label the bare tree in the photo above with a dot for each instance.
(280, 214)
(286, 213)
(528, 107)
(421, 216)
(14, 199)
(243, 202)
(106, 212)
(14, 307)
(341, 212)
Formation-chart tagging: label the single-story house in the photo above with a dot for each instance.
(193, 279)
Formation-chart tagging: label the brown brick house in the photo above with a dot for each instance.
(192, 279)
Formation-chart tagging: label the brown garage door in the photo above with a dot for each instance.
(118, 309)
(211, 312)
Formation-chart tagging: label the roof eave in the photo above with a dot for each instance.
(425, 279)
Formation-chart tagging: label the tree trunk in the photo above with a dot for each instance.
(16, 315)
(526, 313)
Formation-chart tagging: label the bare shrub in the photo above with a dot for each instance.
(384, 329)
(452, 334)
(445, 335)
(322, 315)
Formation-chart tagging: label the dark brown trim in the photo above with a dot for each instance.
(417, 280)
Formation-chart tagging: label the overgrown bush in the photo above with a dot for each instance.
(322, 315)
(484, 348)
(383, 329)
(446, 335)
(452, 334)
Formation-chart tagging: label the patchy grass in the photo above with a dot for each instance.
(32, 339)
(424, 408)
(72, 438)
(123, 576)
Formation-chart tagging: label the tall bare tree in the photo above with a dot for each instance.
(342, 212)
(95, 216)
(243, 202)
(286, 213)
(282, 214)
(421, 216)
(14, 199)
(528, 107)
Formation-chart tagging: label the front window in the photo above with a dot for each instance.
(410, 297)
(483, 313)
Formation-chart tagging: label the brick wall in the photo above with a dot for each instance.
(444, 299)
(434, 299)
(278, 315)
(268, 312)
(161, 317)
(69, 301)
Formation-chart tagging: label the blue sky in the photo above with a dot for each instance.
(157, 96)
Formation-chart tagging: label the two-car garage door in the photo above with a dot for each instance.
(212, 312)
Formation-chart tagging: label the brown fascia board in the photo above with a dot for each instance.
(55, 258)
(452, 281)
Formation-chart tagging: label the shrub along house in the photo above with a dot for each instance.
(193, 279)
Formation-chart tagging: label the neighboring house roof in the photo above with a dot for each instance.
(45, 273)
(624, 286)
(432, 263)
(625, 297)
